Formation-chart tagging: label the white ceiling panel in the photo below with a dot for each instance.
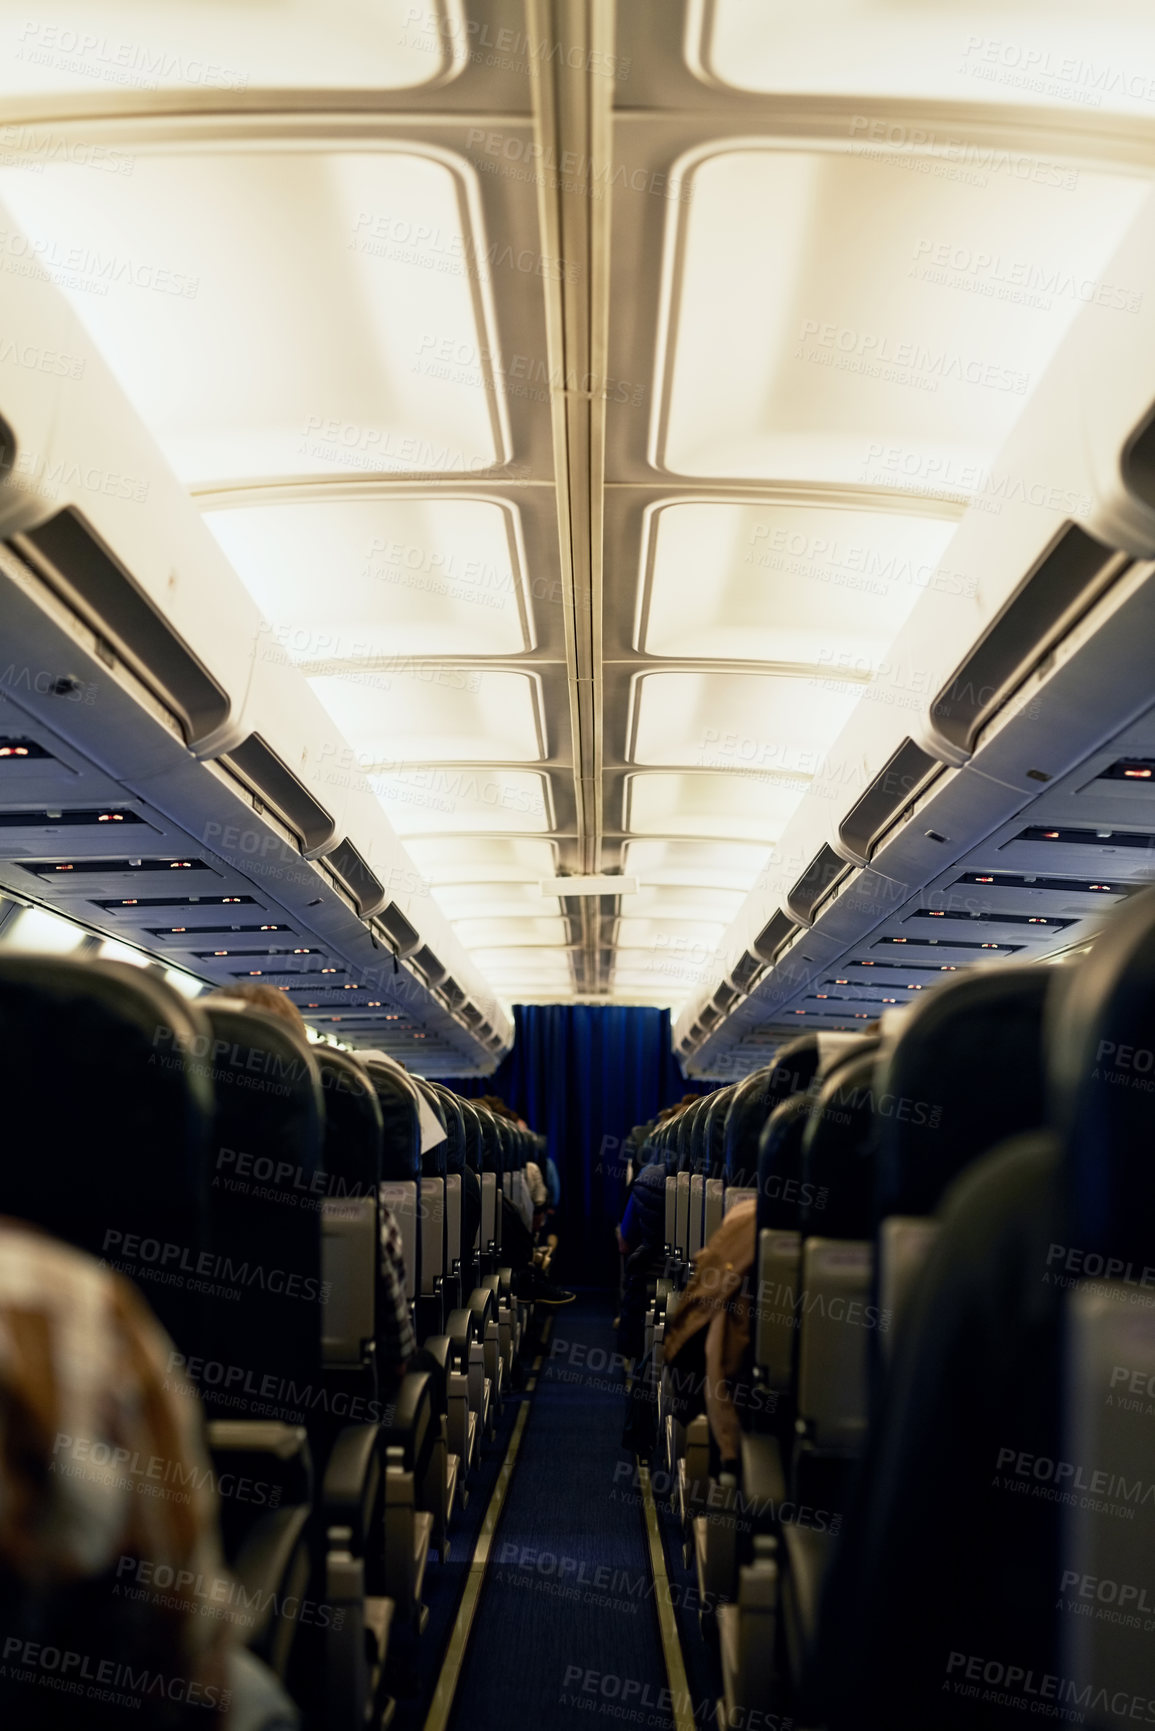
(866, 312)
(356, 578)
(723, 865)
(483, 859)
(697, 803)
(512, 901)
(641, 933)
(227, 45)
(749, 722)
(785, 583)
(1027, 52)
(399, 714)
(672, 902)
(237, 299)
(496, 933)
(449, 799)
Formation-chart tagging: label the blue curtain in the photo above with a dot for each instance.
(584, 1074)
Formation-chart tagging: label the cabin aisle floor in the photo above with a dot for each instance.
(568, 1600)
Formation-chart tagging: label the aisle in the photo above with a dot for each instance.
(567, 1626)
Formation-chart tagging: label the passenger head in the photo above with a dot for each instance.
(498, 1107)
(263, 997)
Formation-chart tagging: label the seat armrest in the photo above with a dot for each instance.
(352, 1481)
(763, 1471)
(280, 1451)
(459, 1333)
(412, 1413)
(440, 1349)
(481, 1305)
(807, 1553)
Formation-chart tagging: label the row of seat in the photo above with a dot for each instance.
(240, 1177)
(932, 1209)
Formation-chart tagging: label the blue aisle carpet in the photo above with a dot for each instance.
(445, 1582)
(567, 1625)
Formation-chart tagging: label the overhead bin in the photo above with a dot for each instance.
(155, 672)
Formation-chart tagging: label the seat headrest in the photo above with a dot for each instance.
(1101, 1084)
(354, 1126)
(454, 1147)
(397, 1096)
(108, 1106)
(686, 1123)
(793, 1071)
(838, 1150)
(474, 1135)
(966, 1071)
(714, 1134)
(780, 1188)
(491, 1144)
(433, 1157)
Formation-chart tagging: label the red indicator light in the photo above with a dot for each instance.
(1137, 774)
(984, 880)
(177, 865)
(13, 751)
(65, 868)
(1050, 835)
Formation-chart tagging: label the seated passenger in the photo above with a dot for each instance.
(517, 1233)
(642, 1242)
(95, 1535)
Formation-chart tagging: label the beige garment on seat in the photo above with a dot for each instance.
(718, 1299)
